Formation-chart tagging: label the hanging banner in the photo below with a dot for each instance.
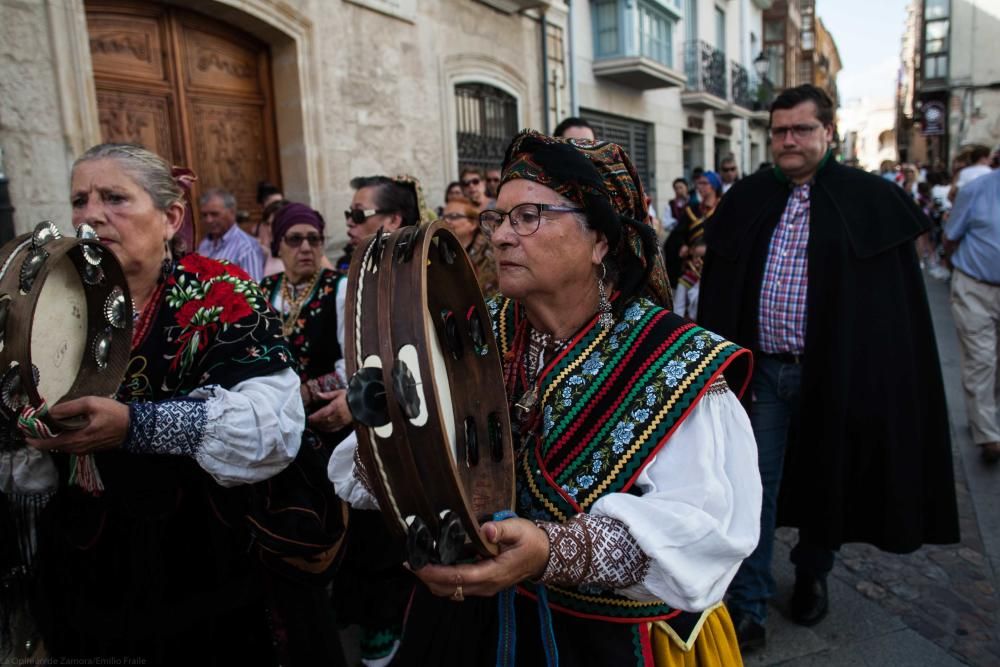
(934, 118)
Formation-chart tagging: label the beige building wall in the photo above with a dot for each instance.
(42, 124)
(974, 73)
(361, 87)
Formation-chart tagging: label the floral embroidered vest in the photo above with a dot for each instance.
(608, 403)
(313, 340)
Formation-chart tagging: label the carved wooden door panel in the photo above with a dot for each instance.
(195, 90)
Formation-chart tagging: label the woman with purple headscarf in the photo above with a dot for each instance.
(305, 295)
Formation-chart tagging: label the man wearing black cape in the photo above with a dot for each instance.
(812, 266)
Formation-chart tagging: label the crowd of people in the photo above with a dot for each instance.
(679, 385)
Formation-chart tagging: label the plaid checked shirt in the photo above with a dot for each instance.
(782, 322)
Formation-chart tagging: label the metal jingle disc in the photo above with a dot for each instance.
(405, 388)
(366, 397)
(451, 538)
(102, 347)
(30, 267)
(477, 332)
(93, 275)
(45, 231)
(419, 543)
(406, 244)
(92, 254)
(11, 392)
(451, 337)
(445, 251)
(85, 231)
(114, 308)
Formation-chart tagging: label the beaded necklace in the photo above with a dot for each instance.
(529, 351)
(292, 301)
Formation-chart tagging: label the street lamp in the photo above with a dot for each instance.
(761, 64)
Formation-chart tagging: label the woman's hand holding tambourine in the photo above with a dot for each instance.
(524, 553)
(106, 426)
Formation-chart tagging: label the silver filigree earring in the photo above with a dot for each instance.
(604, 306)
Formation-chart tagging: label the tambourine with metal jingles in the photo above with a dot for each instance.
(427, 392)
(65, 322)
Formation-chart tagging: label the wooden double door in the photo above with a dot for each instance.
(192, 89)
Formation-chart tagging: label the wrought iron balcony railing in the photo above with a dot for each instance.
(742, 92)
(705, 67)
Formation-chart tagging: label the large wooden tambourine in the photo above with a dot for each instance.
(65, 322)
(427, 392)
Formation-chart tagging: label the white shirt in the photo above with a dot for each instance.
(699, 513)
(971, 173)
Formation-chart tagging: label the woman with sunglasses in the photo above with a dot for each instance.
(636, 470)
(305, 296)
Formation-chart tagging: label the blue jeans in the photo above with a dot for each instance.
(776, 390)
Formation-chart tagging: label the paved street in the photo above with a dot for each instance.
(937, 606)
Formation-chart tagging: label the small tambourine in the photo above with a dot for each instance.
(427, 392)
(65, 322)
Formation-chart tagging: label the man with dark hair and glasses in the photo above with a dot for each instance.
(729, 172)
(812, 265)
(473, 182)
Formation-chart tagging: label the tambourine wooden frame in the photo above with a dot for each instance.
(91, 378)
(412, 275)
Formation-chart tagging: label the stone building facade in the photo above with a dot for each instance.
(310, 93)
(351, 88)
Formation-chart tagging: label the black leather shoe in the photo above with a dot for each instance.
(751, 635)
(810, 602)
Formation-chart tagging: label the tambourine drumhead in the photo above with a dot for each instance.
(59, 330)
(65, 321)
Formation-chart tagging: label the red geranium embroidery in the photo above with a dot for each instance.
(188, 311)
(202, 267)
(234, 306)
(237, 272)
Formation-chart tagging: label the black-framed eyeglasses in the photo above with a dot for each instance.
(524, 218)
(295, 240)
(359, 215)
(475, 180)
(797, 131)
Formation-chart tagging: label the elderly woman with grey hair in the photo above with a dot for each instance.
(136, 561)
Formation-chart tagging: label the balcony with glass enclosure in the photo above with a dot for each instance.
(634, 42)
(705, 67)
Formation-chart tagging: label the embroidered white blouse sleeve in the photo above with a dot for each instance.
(342, 471)
(699, 513)
(241, 435)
